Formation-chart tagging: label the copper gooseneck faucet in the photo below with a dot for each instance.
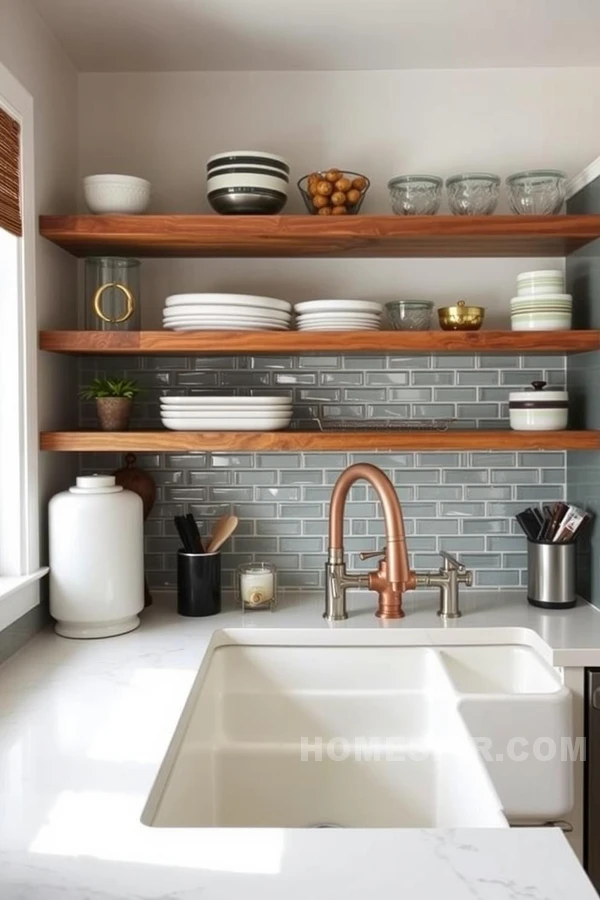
(394, 575)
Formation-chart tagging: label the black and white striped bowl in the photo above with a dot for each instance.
(247, 182)
(247, 158)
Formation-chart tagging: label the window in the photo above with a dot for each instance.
(19, 539)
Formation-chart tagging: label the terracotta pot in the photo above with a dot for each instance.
(113, 413)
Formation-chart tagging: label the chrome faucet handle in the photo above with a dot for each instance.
(452, 562)
(370, 554)
(333, 583)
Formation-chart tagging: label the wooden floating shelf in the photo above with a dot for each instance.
(305, 235)
(171, 343)
(177, 441)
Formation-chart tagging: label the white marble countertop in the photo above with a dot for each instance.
(84, 727)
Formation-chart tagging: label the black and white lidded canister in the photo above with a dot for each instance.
(538, 409)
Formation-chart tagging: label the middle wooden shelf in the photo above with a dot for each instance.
(182, 343)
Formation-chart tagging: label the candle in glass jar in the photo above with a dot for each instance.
(257, 586)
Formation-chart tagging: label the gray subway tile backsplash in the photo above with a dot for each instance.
(461, 502)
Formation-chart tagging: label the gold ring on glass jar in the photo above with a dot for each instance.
(114, 320)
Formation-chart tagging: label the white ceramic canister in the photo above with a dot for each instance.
(538, 409)
(96, 559)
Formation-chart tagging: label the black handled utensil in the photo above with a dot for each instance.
(529, 524)
(195, 534)
(183, 529)
(557, 516)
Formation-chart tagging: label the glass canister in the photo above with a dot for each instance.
(112, 294)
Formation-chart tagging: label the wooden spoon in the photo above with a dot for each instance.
(223, 530)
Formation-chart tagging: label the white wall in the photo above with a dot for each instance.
(164, 126)
(31, 53)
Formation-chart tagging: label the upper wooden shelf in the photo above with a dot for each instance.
(179, 441)
(171, 343)
(353, 236)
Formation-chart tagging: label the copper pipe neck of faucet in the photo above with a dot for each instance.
(398, 572)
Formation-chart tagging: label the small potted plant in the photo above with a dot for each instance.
(114, 399)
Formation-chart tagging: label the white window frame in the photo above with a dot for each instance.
(19, 505)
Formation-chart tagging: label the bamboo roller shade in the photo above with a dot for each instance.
(10, 174)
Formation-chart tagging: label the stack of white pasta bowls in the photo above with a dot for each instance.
(338, 315)
(541, 303)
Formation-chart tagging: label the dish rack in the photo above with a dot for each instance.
(384, 424)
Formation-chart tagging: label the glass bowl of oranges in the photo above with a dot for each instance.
(334, 192)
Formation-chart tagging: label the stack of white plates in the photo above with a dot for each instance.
(225, 413)
(338, 315)
(226, 312)
(541, 303)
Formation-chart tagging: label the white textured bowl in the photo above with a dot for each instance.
(116, 194)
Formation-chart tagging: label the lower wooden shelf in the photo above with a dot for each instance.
(177, 441)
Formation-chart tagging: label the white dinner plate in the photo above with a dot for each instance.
(228, 314)
(342, 314)
(303, 321)
(339, 328)
(316, 306)
(222, 300)
(239, 327)
(219, 411)
(215, 399)
(218, 310)
(257, 423)
(333, 317)
(215, 322)
(207, 412)
(240, 323)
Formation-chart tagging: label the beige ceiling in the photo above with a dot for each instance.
(204, 35)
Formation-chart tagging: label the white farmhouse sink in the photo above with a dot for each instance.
(297, 735)
(515, 706)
